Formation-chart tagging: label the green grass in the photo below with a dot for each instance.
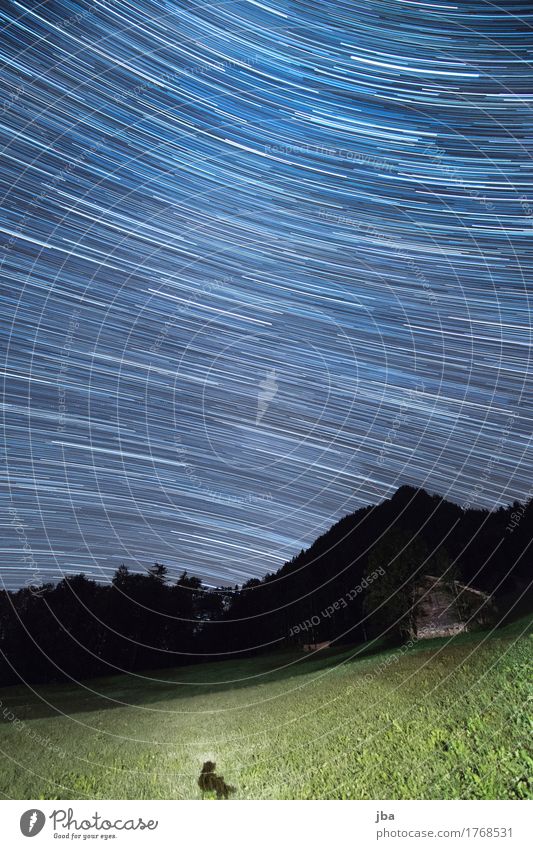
(447, 719)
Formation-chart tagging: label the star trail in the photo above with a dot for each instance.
(262, 263)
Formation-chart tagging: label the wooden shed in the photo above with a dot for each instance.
(443, 608)
(317, 646)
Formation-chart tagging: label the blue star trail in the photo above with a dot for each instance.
(262, 263)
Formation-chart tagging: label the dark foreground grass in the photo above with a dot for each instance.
(447, 719)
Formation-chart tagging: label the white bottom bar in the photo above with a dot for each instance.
(283, 825)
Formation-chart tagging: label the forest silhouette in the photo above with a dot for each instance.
(80, 628)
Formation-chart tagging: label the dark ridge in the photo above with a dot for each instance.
(82, 628)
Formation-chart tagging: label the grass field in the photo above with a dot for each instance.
(446, 719)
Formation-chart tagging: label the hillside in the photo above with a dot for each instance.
(489, 550)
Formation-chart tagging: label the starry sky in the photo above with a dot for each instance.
(262, 263)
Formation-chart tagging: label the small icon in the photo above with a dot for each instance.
(32, 822)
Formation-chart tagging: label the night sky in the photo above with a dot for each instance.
(262, 263)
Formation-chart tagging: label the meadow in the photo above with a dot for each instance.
(438, 719)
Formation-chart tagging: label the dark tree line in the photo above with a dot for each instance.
(334, 590)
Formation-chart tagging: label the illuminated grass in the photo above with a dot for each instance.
(445, 720)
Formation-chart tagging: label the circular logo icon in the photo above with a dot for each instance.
(32, 822)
